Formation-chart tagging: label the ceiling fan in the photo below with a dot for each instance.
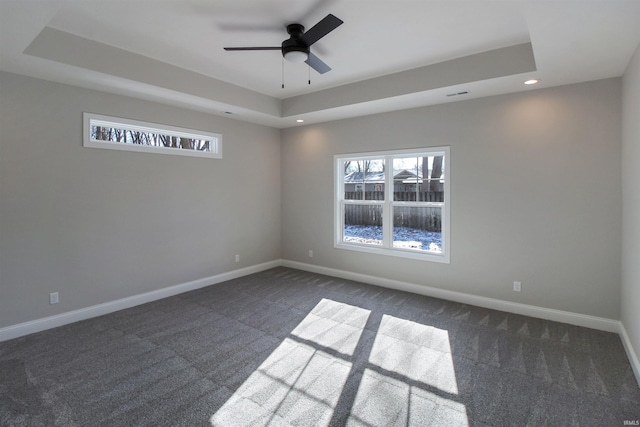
(297, 48)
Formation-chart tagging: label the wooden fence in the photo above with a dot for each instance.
(421, 218)
(398, 196)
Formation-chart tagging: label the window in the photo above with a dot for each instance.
(132, 135)
(394, 203)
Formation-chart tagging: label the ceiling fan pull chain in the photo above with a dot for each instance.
(309, 69)
(283, 72)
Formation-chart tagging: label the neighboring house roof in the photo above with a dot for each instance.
(356, 177)
(378, 176)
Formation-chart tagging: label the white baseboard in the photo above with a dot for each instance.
(631, 354)
(609, 325)
(26, 328)
(592, 322)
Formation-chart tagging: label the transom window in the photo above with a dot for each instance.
(394, 203)
(133, 135)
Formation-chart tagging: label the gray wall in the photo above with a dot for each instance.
(535, 195)
(630, 294)
(99, 225)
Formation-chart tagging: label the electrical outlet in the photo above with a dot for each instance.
(54, 298)
(517, 286)
(310, 253)
(237, 258)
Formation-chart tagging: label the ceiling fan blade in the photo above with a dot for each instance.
(321, 29)
(253, 48)
(317, 64)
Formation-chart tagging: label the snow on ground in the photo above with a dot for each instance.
(403, 237)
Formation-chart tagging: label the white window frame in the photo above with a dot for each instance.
(387, 205)
(90, 119)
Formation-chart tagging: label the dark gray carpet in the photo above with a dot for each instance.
(286, 347)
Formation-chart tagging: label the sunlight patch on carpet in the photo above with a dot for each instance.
(299, 383)
(419, 352)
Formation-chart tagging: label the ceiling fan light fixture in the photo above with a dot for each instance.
(296, 56)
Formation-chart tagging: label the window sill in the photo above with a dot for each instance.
(442, 258)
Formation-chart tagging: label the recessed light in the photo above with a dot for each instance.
(531, 82)
(300, 121)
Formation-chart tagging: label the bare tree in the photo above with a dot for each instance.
(436, 173)
(346, 166)
(187, 143)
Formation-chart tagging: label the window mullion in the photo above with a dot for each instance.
(387, 210)
(418, 172)
(420, 204)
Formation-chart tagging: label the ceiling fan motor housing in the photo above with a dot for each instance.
(294, 48)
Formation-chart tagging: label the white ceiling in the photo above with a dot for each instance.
(171, 50)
